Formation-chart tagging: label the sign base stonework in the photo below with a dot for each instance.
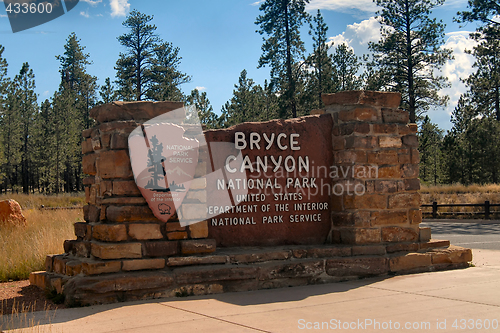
(323, 198)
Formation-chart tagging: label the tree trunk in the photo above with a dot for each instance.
(291, 84)
(411, 92)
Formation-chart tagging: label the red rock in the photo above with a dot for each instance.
(360, 235)
(398, 234)
(357, 266)
(11, 213)
(88, 164)
(402, 247)
(305, 268)
(198, 246)
(375, 98)
(404, 200)
(139, 111)
(395, 116)
(114, 164)
(109, 232)
(409, 261)
(389, 217)
(160, 248)
(91, 213)
(383, 157)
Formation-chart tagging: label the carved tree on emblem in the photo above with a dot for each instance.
(155, 163)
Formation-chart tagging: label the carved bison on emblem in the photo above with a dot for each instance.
(164, 209)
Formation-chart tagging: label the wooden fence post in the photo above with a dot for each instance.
(487, 210)
(434, 209)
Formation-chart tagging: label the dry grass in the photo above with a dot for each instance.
(33, 201)
(23, 321)
(23, 249)
(460, 194)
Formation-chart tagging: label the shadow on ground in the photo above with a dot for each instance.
(248, 298)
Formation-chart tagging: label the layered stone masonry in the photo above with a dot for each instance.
(118, 222)
(376, 184)
(123, 252)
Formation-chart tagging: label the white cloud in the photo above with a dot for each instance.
(458, 68)
(92, 2)
(358, 35)
(3, 15)
(119, 7)
(345, 6)
(200, 88)
(85, 14)
(256, 3)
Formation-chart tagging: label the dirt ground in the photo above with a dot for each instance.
(19, 296)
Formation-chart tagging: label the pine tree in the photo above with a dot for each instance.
(205, 114)
(133, 68)
(11, 131)
(149, 67)
(321, 78)
(46, 144)
(481, 10)
(27, 107)
(347, 65)
(4, 82)
(430, 140)
(283, 49)
(246, 104)
(77, 95)
(484, 84)
(107, 92)
(166, 76)
(409, 53)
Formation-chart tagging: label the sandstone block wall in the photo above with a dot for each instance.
(123, 252)
(375, 153)
(119, 225)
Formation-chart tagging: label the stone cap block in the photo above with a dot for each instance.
(138, 111)
(374, 98)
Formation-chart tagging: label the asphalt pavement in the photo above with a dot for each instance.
(473, 234)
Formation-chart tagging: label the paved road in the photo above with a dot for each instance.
(473, 234)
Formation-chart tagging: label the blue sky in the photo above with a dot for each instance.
(217, 40)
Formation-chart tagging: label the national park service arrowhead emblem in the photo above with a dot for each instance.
(164, 163)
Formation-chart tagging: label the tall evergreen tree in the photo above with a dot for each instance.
(321, 78)
(430, 141)
(27, 107)
(347, 65)
(133, 68)
(409, 53)
(107, 92)
(11, 129)
(484, 11)
(283, 48)
(484, 84)
(165, 73)
(149, 67)
(201, 104)
(246, 104)
(76, 96)
(4, 82)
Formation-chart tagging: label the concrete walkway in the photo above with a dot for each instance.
(422, 302)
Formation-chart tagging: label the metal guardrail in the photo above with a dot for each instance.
(487, 209)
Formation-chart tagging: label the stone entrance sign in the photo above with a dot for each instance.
(285, 167)
(323, 198)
